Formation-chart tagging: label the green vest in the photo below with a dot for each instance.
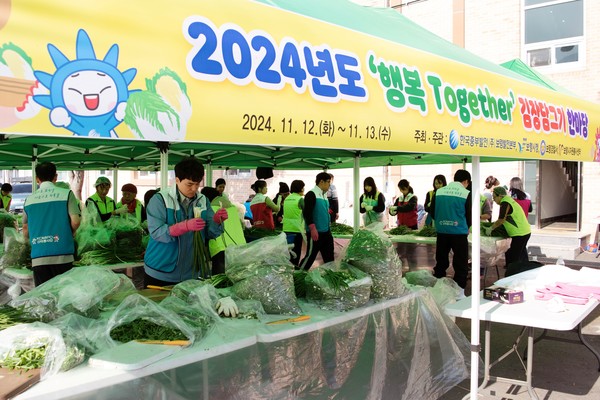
(516, 223)
(293, 221)
(104, 207)
(233, 232)
(138, 210)
(6, 201)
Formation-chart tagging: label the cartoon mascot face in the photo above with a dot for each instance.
(87, 96)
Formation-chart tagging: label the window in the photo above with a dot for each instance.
(554, 33)
(238, 173)
(146, 174)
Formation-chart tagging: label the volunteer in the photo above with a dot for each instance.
(99, 203)
(134, 207)
(513, 218)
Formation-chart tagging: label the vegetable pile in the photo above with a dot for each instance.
(371, 251)
(10, 316)
(341, 229)
(261, 270)
(498, 232)
(338, 288)
(427, 231)
(26, 358)
(118, 240)
(401, 230)
(6, 221)
(141, 329)
(17, 250)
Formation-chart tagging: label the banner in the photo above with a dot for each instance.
(244, 72)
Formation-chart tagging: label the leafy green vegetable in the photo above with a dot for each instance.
(141, 329)
(299, 283)
(25, 358)
(428, 231)
(10, 316)
(401, 230)
(498, 232)
(6, 221)
(220, 281)
(341, 229)
(337, 280)
(147, 106)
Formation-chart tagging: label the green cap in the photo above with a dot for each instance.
(101, 181)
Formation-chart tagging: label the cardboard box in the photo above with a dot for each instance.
(503, 295)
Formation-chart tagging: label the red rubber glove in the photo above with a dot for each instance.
(314, 235)
(194, 224)
(220, 216)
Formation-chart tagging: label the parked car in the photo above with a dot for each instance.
(19, 194)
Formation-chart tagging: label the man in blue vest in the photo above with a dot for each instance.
(451, 212)
(318, 223)
(51, 217)
(175, 215)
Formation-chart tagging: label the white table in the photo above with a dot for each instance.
(530, 314)
(387, 349)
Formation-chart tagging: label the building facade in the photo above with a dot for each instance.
(559, 39)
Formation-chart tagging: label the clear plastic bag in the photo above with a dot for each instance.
(270, 250)
(7, 220)
(422, 277)
(85, 333)
(196, 315)
(159, 323)
(261, 270)
(17, 250)
(272, 285)
(44, 340)
(356, 294)
(118, 240)
(79, 290)
(371, 251)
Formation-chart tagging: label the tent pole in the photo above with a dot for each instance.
(164, 169)
(356, 176)
(209, 174)
(115, 179)
(475, 268)
(33, 165)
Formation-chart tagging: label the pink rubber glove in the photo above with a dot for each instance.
(314, 235)
(194, 224)
(220, 216)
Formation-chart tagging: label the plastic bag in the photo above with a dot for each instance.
(261, 270)
(184, 289)
(45, 341)
(6, 221)
(356, 294)
(138, 318)
(197, 316)
(79, 290)
(272, 285)
(271, 250)
(371, 251)
(17, 250)
(422, 277)
(118, 240)
(444, 292)
(85, 333)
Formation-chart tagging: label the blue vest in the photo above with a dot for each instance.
(49, 223)
(450, 213)
(321, 211)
